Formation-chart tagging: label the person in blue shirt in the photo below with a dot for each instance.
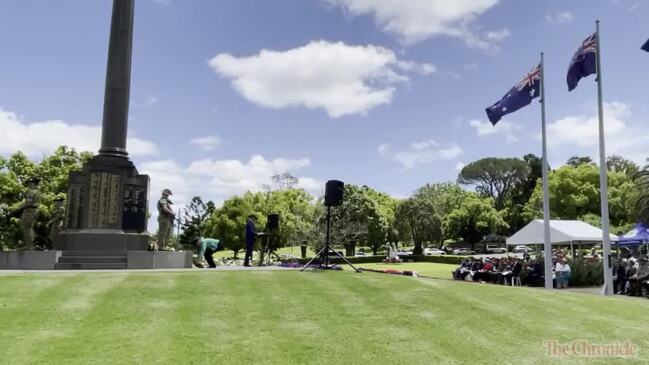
(206, 248)
(251, 235)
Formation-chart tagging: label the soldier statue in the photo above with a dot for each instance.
(30, 211)
(57, 219)
(166, 218)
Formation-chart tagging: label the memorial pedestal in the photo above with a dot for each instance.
(94, 260)
(106, 208)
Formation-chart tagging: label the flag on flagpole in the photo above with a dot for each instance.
(645, 47)
(583, 63)
(519, 96)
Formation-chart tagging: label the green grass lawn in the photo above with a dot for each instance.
(289, 317)
(429, 269)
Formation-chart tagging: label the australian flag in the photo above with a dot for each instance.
(645, 47)
(519, 96)
(584, 62)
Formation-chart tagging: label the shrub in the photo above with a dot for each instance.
(455, 260)
(586, 272)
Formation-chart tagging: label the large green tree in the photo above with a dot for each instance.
(640, 196)
(366, 217)
(53, 171)
(495, 177)
(574, 194)
(294, 206)
(474, 219)
(194, 219)
(419, 222)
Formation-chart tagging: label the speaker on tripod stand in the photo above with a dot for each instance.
(334, 195)
(269, 245)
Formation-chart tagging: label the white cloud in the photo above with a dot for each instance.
(413, 21)
(562, 17)
(579, 134)
(503, 127)
(149, 101)
(336, 77)
(635, 6)
(207, 143)
(459, 166)
(583, 130)
(421, 152)
(383, 148)
(38, 138)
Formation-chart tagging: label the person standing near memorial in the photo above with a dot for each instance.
(30, 211)
(166, 218)
(251, 235)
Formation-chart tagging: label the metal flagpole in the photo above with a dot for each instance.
(603, 183)
(547, 245)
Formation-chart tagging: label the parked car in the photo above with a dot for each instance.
(360, 254)
(463, 252)
(522, 249)
(433, 252)
(495, 249)
(404, 253)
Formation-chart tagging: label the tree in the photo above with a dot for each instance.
(474, 219)
(419, 221)
(228, 222)
(620, 164)
(495, 177)
(53, 171)
(640, 197)
(294, 206)
(285, 181)
(365, 217)
(576, 161)
(194, 221)
(521, 194)
(574, 194)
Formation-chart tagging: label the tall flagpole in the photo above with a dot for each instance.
(547, 245)
(603, 177)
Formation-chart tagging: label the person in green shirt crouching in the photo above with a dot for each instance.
(206, 248)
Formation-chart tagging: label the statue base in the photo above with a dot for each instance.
(101, 240)
(94, 260)
(106, 207)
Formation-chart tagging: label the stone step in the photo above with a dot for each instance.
(93, 253)
(91, 259)
(90, 266)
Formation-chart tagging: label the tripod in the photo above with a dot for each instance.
(267, 250)
(323, 254)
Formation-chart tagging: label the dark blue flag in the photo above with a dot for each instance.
(645, 47)
(583, 63)
(519, 96)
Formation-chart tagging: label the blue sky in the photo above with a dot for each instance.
(385, 93)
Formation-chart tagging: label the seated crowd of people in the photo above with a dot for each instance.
(631, 276)
(502, 270)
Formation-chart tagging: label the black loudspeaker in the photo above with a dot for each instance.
(334, 193)
(272, 222)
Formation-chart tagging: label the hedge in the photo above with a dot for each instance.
(455, 260)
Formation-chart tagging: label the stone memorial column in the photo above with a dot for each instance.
(107, 201)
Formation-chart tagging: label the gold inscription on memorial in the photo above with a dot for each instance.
(103, 200)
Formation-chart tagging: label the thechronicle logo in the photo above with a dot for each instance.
(583, 348)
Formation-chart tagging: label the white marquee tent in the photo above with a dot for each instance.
(561, 233)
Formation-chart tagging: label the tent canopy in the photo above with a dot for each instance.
(637, 236)
(561, 232)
